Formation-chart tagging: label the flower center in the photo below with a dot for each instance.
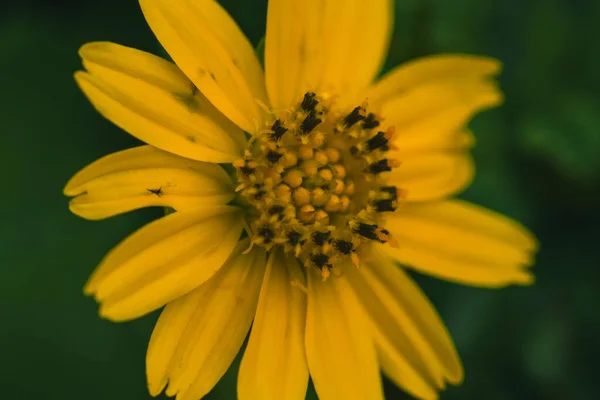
(314, 183)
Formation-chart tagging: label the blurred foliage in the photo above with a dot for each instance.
(538, 161)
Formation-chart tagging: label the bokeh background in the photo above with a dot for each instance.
(538, 161)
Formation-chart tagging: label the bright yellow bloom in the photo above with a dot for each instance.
(297, 191)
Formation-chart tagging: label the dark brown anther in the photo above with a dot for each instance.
(320, 260)
(379, 166)
(370, 231)
(354, 116)
(391, 190)
(278, 130)
(309, 102)
(247, 170)
(267, 234)
(310, 122)
(386, 205)
(343, 246)
(260, 192)
(376, 142)
(320, 237)
(294, 238)
(276, 210)
(354, 150)
(273, 156)
(370, 122)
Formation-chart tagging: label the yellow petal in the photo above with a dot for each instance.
(397, 336)
(445, 106)
(324, 46)
(197, 336)
(434, 140)
(431, 69)
(417, 351)
(462, 242)
(164, 260)
(396, 366)
(212, 51)
(339, 346)
(406, 294)
(154, 101)
(432, 176)
(274, 364)
(142, 177)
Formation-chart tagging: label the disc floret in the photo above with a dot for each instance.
(314, 183)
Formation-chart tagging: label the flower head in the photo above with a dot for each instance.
(296, 191)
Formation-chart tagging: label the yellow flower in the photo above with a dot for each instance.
(297, 191)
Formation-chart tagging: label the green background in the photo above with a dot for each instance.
(538, 161)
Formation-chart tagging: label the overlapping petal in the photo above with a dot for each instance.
(429, 102)
(154, 101)
(142, 177)
(339, 346)
(213, 52)
(198, 335)
(414, 347)
(324, 46)
(274, 364)
(462, 242)
(164, 260)
(438, 107)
